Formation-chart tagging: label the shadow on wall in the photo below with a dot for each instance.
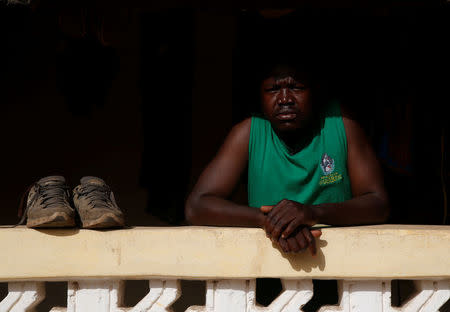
(71, 106)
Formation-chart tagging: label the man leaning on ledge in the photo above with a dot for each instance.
(308, 162)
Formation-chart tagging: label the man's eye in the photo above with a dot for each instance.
(272, 89)
(297, 87)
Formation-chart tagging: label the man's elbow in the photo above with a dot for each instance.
(384, 210)
(190, 211)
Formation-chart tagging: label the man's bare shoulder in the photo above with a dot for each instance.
(240, 133)
(355, 134)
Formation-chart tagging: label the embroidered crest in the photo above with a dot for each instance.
(327, 164)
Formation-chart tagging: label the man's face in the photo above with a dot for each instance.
(286, 103)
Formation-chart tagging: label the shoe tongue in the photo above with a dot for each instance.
(52, 180)
(92, 180)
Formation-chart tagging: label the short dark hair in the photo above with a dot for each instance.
(286, 67)
(278, 61)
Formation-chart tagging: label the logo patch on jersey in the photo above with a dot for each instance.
(327, 165)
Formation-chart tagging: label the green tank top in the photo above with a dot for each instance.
(314, 175)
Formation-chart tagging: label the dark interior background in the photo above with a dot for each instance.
(143, 97)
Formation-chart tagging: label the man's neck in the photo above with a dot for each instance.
(296, 140)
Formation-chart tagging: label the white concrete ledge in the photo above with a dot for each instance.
(368, 252)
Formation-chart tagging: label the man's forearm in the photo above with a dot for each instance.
(213, 210)
(365, 209)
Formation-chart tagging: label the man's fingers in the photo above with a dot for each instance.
(277, 218)
(277, 208)
(268, 226)
(292, 226)
(312, 242)
(316, 233)
(280, 225)
(304, 238)
(301, 240)
(266, 209)
(283, 244)
(271, 226)
(293, 245)
(273, 217)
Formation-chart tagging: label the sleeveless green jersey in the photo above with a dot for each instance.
(315, 174)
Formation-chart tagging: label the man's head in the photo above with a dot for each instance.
(286, 97)
(289, 63)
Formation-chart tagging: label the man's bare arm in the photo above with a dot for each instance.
(370, 201)
(208, 203)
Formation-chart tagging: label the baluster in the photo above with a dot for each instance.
(365, 296)
(22, 296)
(239, 296)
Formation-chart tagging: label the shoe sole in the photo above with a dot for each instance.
(57, 219)
(105, 221)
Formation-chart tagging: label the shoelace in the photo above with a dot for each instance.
(96, 194)
(22, 211)
(53, 195)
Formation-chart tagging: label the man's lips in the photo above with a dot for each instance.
(286, 115)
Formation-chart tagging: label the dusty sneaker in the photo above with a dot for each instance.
(48, 204)
(96, 205)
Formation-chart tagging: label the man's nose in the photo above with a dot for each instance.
(284, 97)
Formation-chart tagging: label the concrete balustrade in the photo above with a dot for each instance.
(95, 263)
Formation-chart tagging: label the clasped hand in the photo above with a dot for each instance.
(288, 224)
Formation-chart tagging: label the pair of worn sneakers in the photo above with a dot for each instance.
(50, 203)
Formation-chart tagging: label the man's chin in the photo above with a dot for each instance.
(288, 126)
